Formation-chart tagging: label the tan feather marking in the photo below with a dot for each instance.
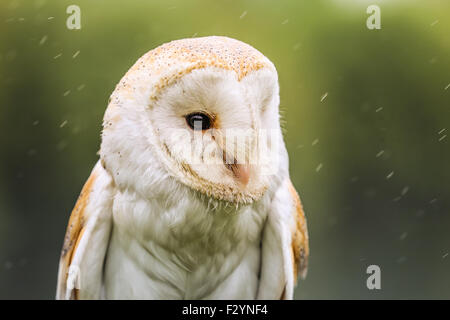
(80, 235)
(76, 223)
(75, 294)
(300, 241)
(283, 294)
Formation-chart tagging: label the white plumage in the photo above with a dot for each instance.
(152, 223)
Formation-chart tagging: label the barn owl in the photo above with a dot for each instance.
(157, 220)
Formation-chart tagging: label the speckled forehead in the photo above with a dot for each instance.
(179, 57)
(197, 53)
(161, 67)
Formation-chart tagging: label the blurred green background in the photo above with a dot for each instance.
(366, 117)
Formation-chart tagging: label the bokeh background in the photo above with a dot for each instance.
(366, 118)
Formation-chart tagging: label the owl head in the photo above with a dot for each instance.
(200, 113)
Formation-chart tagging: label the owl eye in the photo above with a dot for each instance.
(198, 121)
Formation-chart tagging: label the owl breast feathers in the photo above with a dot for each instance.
(191, 197)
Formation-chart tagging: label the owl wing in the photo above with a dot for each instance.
(285, 247)
(86, 239)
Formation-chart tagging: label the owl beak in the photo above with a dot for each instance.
(241, 169)
(241, 172)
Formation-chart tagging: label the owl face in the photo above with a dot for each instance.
(208, 120)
